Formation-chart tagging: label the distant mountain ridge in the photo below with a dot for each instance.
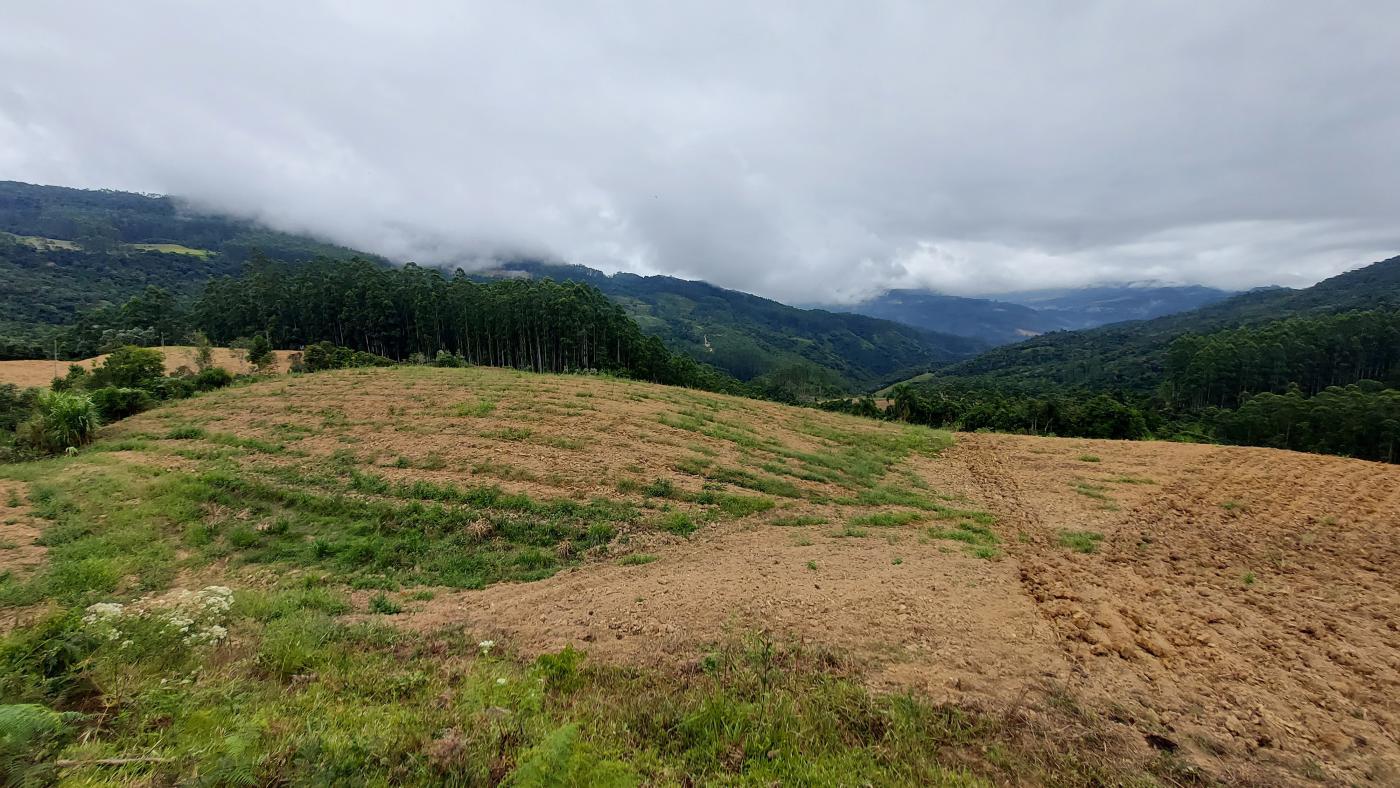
(748, 336)
(1012, 317)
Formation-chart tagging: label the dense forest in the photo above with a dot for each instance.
(1310, 353)
(540, 325)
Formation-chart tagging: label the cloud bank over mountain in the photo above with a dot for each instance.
(808, 151)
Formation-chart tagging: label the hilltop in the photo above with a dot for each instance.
(763, 592)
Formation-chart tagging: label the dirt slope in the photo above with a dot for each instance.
(1243, 605)
(39, 373)
(1238, 607)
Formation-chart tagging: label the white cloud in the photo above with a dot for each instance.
(806, 151)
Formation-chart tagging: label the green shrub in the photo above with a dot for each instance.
(130, 367)
(561, 759)
(678, 523)
(115, 403)
(212, 378)
(172, 388)
(61, 421)
(260, 353)
(15, 405)
(324, 355)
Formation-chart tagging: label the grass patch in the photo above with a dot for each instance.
(1088, 458)
(1095, 491)
(636, 559)
(888, 519)
(978, 539)
(382, 604)
(1081, 541)
(798, 520)
(678, 523)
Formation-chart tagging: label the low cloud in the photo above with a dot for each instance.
(805, 151)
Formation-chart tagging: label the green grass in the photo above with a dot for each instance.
(1095, 491)
(1088, 458)
(799, 520)
(849, 531)
(678, 523)
(888, 519)
(636, 559)
(1081, 541)
(382, 604)
(1233, 506)
(978, 540)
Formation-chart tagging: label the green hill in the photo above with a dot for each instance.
(1132, 355)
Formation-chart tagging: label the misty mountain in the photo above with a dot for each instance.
(749, 336)
(1012, 317)
(1097, 306)
(65, 251)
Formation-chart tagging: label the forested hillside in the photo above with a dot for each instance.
(1133, 355)
(748, 336)
(65, 252)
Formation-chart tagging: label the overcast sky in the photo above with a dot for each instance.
(808, 151)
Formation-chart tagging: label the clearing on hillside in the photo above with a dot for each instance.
(39, 373)
(1181, 611)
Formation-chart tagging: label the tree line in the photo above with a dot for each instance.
(533, 324)
(1074, 414)
(1310, 353)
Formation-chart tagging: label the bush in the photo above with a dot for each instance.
(260, 353)
(118, 403)
(173, 388)
(61, 421)
(15, 405)
(212, 378)
(324, 355)
(77, 378)
(130, 367)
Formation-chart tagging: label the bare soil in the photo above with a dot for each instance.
(18, 530)
(39, 373)
(1237, 608)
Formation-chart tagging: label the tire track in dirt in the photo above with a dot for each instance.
(1245, 606)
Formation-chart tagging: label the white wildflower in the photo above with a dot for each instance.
(102, 612)
(486, 646)
(502, 682)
